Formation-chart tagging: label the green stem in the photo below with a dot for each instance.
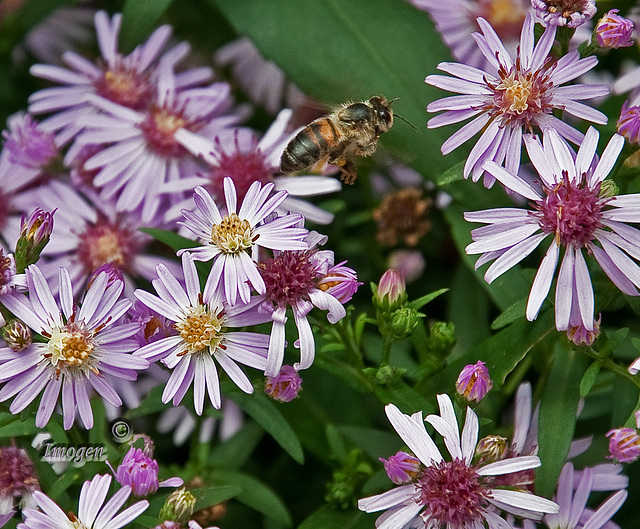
(609, 364)
(345, 333)
(386, 351)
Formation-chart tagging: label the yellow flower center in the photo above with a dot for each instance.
(503, 12)
(232, 235)
(517, 90)
(200, 329)
(167, 122)
(70, 347)
(108, 250)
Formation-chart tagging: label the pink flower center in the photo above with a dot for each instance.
(289, 277)
(17, 474)
(571, 212)
(107, 242)
(505, 16)
(244, 168)
(125, 86)
(160, 126)
(566, 8)
(452, 493)
(79, 175)
(520, 96)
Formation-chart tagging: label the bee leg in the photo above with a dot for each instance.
(349, 172)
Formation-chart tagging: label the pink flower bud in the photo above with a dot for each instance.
(629, 123)
(473, 382)
(624, 444)
(401, 468)
(614, 31)
(285, 386)
(391, 287)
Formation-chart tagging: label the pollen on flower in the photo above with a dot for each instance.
(160, 126)
(232, 235)
(125, 86)
(571, 13)
(70, 346)
(200, 328)
(452, 493)
(289, 277)
(244, 168)
(572, 211)
(107, 242)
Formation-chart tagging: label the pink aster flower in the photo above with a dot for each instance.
(295, 279)
(126, 80)
(572, 209)
(428, 501)
(629, 122)
(614, 31)
(570, 13)
(202, 320)
(402, 467)
(285, 386)
(79, 346)
(511, 97)
(251, 161)
(92, 511)
(474, 382)
(229, 238)
(624, 444)
(455, 20)
(572, 500)
(140, 472)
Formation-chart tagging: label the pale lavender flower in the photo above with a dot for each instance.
(202, 320)
(18, 481)
(574, 513)
(570, 13)
(126, 80)
(86, 237)
(427, 500)
(263, 81)
(401, 467)
(512, 97)
(572, 209)
(92, 511)
(80, 345)
(624, 444)
(293, 279)
(285, 386)
(248, 161)
(411, 263)
(28, 145)
(229, 238)
(629, 122)
(455, 20)
(614, 31)
(139, 150)
(140, 472)
(629, 82)
(474, 382)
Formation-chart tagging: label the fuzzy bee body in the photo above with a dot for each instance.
(351, 130)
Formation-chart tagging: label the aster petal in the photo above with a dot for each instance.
(587, 151)
(112, 507)
(303, 186)
(604, 513)
(523, 500)
(512, 256)
(177, 378)
(211, 286)
(628, 267)
(28, 392)
(307, 343)
(612, 270)
(607, 160)
(105, 390)
(542, 49)
(391, 498)
(461, 86)
(65, 292)
(496, 215)
(465, 133)
(464, 71)
(325, 301)
(41, 297)
(511, 181)
(449, 433)
(48, 401)
(459, 104)
(230, 196)
(199, 384)
(571, 69)
(542, 281)
(399, 517)
(582, 111)
(68, 402)
(51, 509)
(548, 122)
(275, 355)
(230, 279)
(495, 521)
(527, 41)
(469, 438)
(207, 206)
(584, 290)
(235, 372)
(505, 238)
(494, 42)
(158, 305)
(93, 298)
(624, 83)
(212, 381)
(492, 133)
(412, 431)
(509, 466)
(451, 117)
(564, 289)
(128, 515)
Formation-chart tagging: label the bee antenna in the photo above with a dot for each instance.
(408, 123)
(393, 100)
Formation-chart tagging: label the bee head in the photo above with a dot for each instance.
(382, 109)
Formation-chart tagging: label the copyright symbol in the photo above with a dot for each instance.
(121, 431)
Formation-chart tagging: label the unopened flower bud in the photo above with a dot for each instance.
(473, 382)
(613, 31)
(16, 335)
(138, 471)
(285, 386)
(392, 292)
(608, 189)
(629, 124)
(403, 322)
(624, 444)
(178, 507)
(401, 467)
(442, 336)
(491, 449)
(35, 231)
(341, 282)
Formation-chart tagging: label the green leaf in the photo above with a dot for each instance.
(255, 495)
(265, 413)
(613, 341)
(152, 403)
(376, 443)
(337, 51)
(513, 313)
(417, 304)
(208, 496)
(18, 428)
(558, 411)
(403, 396)
(139, 17)
(173, 240)
(589, 379)
(326, 517)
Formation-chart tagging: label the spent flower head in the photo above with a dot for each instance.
(570, 13)
(624, 445)
(614, 31)
(474, 382)
(285, 386)
(18, 480)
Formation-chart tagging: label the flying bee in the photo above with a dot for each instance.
(351, 130)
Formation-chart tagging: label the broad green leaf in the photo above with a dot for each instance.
(18, 428)
(208, 496)
(337, 51)
(255, 494)
(589, 379)
(417, 304)
(266, 414)
(403, 396)
(235, 451)
(513, 313)
(139, 18)
(468, 308)
(502, 353)
(327, 517)
(376, 443)
(558, 412)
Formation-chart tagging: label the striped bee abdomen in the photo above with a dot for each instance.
(309, 145)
